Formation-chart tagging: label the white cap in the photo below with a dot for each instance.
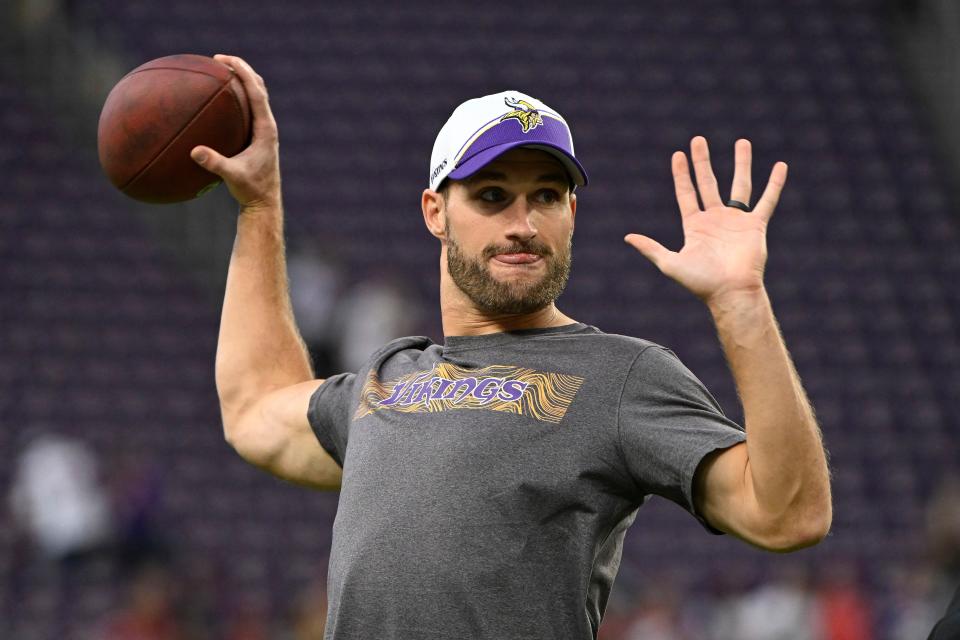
(481, 129)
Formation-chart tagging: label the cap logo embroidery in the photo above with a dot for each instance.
(524, 113)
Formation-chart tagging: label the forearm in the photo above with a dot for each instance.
(259, 347)
(787, 465)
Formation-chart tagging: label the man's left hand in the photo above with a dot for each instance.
(725, 249)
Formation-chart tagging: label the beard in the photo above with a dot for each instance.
(517, 295)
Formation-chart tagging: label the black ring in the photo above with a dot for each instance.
(736, 204)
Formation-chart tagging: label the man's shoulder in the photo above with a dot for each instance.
(610, 354)
(632, 343)
(639, 359)
(619, 343)
(410, 346)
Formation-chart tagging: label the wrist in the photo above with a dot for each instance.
(262, 206)
(724, 302)
(261, 220)
(262, 211)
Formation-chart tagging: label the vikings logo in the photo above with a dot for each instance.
(524, 113)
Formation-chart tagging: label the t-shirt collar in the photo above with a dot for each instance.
(459, 343)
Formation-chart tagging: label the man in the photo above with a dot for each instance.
(486, 483)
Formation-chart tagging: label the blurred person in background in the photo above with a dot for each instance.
(909, 609)
(342, 325)
(248, 620)
(309, 615)
(316, 283)
(843, 610)
(151, 611)
(719, 615)
(373, 312)
(136, 487)
(57, 498)
(656, 614)
(780, 608)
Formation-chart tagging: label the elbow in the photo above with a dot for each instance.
(233, 434)
(239, 431)
(232, 425)
(803, 529)
(795, 540)
(237, 394)
(237, 407)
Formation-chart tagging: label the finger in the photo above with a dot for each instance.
(686, 193)
(706, 181)
(211, 161)
(251, 80)
(743, 158)
(256, 90)
(771, 195)
(650, 248)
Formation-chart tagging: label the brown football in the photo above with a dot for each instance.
(160, 111)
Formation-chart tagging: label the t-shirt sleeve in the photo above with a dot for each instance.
(330, 412)
(667, 423)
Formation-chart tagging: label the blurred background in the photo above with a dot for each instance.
(124, 513)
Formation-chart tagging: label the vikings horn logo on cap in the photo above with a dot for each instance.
(524, 112)
(481, 129)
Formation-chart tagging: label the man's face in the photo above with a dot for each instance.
(518, 204)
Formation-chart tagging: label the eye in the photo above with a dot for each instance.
(548, 196)
(492, 195)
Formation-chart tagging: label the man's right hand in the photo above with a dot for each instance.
(263, 373)
(253, 175)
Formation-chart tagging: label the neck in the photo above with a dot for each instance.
(461, 317)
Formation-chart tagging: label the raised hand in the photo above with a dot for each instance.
(253, 175)
(724, 248)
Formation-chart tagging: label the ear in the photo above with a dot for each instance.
(573, 211)
(434, 213)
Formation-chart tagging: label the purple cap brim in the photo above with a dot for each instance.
(477, 161)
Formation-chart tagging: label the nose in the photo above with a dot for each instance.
(519, 218)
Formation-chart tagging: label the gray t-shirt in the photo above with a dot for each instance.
(488, 482)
